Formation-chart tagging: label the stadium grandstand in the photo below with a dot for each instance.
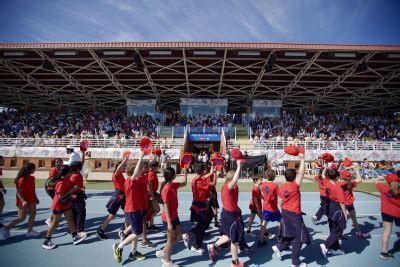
(258, 96)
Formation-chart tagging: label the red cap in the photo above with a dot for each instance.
(218, 163)
(83, 145)
(145, 145)
(127, 154)
(156, 151)
(345, 175)
(236, 154)
(347, 162)
(215, 155)
(391, 177)
(328, 157)
(292, 150)
(186, 160)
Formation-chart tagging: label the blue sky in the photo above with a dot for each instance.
(297, 21)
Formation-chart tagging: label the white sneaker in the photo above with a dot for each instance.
(159, 254)
(271, 236)
(337, 252)
(48, 222)
(277, 252)
(82, 234)
(187, 240)
(5, 233)
(197, 250)
(324, 250)
(169, 264)
(303, 264)
(33, 233)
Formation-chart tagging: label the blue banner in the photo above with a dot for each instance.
(205, 137)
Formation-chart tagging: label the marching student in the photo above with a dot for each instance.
(62, 204)
(292, 229)
(201, 212)
(78, 198)
(336, 212)
(321, 180)
(153, 182)
(26, 200)
(347, 185)
(214, 200)
(170, 218)
(117, 200)
(135, 189)
(390, 209)
(270, 212)
(231, 223)
(58, 163)
(255, 204)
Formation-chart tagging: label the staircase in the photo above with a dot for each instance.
(241, 132)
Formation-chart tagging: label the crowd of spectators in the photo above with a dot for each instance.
(326, 127)
(116, 124)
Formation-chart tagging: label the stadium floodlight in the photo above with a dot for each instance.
(345, 54)
(160, 52)
(249, 53)
(295, 53)
(393, 55)
(13, 53)
(204, 52)
(114, 53)
(65, 53)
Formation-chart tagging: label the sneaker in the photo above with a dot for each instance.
(245, 248)
(261, 243)
(169, 264)
(187, 240)
(212, 252)
(47, 244)
(117, 253)
(121, 235)
(159, 254)
(101, 235)
(48, 222)
(82, 233)
(237, 264)
(78, 239)
(303, 264)
(386, 256)
(137, 256)
(197, 250)
(314, 220)
(153, 228)
(271, 236)
(33, 233)
(337, 252)
(147, 244)
(5, 232)
(277, 252)
(324, 250)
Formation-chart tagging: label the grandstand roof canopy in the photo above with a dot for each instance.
(325, 77)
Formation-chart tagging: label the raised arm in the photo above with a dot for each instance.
(120, 165)
(302, 170)
(83, 158)
(137, 171)
(215, 178)
(235, 178)
(184, 183)
(358, 177)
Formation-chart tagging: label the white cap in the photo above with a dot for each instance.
(69, 147)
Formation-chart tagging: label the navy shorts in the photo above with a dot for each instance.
(271, 216)
(135, 219)
(390, 218)
(175, 223)
(116, 202)
(61, 211)
(231, 225)
(350, 207)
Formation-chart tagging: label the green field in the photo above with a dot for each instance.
(243, 186)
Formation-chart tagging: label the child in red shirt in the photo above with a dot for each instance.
(390, 209)
(78, 198)
(255, 204)
(270, 209)
(62, 205)
(292, 229)
(26, 200)
(321, 180)
(117, 200)
(153, 182)
(170, 218)
(347, 185)
(231, 223)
